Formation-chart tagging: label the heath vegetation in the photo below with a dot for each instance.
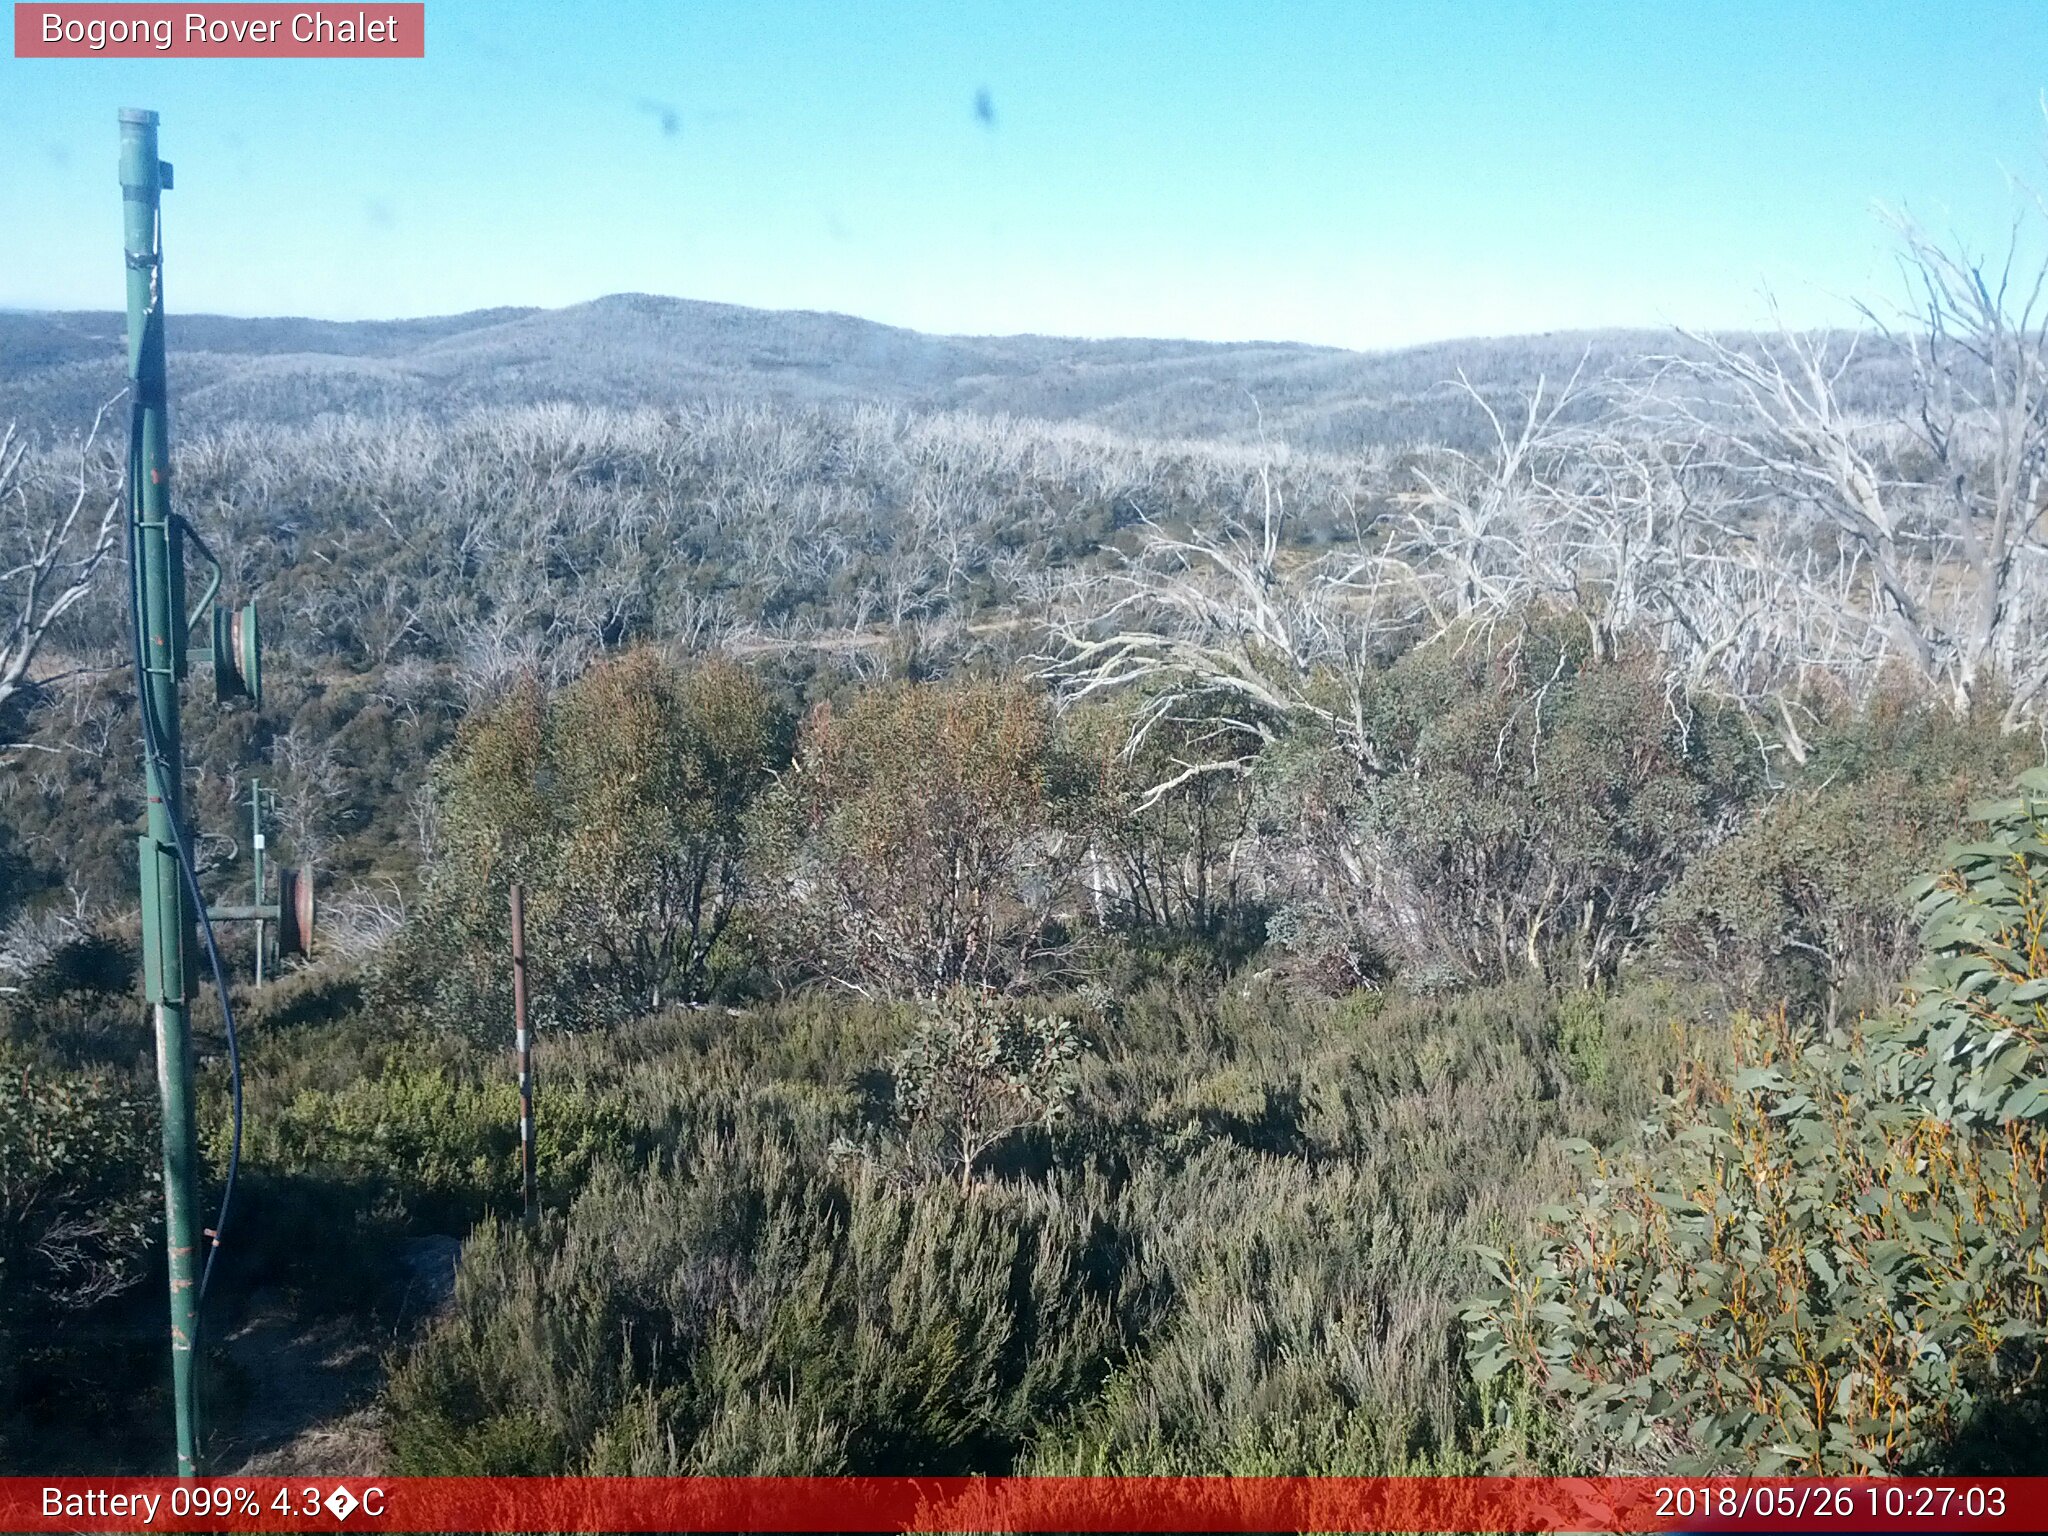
(1068, 949)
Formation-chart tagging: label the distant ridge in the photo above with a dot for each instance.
(640, 349)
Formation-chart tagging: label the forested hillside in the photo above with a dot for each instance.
(1095, 907)
(634, 350)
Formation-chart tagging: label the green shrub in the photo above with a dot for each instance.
(310, 995)
(1808, 898)
(749, 1309)
(1297, 1186)
(80, 1215)
(1518, 806)
(620, 803)
(76, 1009)
(80, 1167)
(1974, 1046)
(423, 1131)
(1582, 1038)
(1165, 844)
(1240, 1249)
(975, 1073)
(1284, 1318)
(926, 839)
(1805, 902)
(1828, 1259)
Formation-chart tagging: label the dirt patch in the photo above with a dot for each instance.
(307, 1394)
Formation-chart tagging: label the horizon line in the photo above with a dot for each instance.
(523, 311)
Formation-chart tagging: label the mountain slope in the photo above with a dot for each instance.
(638, 349)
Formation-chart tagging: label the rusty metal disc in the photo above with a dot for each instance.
(294, 911)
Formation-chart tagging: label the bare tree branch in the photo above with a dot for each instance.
(52, 546)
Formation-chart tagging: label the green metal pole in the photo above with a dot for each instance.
(256, 854)
(161, 618)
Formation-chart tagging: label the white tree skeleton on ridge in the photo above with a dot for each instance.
(54, 549)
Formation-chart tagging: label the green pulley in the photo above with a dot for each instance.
(237, 654)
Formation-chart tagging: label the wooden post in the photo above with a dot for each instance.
(522, 1045)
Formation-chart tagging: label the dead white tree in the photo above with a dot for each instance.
(1927, 521)
(1238, 629)
(51, 542)
(1480, 539)
(362, 920)
(33, 938)
(313, 796)
(1220, 628)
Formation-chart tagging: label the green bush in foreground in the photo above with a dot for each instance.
(1832, 1258)
(1975, 1045)
(1239, 1251)
(79, 1171)
(748, 1311)
(79, 1175)
(445, 1142)
(976, 1073)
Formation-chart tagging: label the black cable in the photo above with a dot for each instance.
(152, 744)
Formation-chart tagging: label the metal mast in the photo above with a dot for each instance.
(156, 569)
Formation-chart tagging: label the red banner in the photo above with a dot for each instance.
(229, 31)
(751, 1504)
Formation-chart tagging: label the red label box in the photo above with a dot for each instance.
(371, 30)
(1023, 1504)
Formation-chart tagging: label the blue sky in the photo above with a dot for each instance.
(1361, 174)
